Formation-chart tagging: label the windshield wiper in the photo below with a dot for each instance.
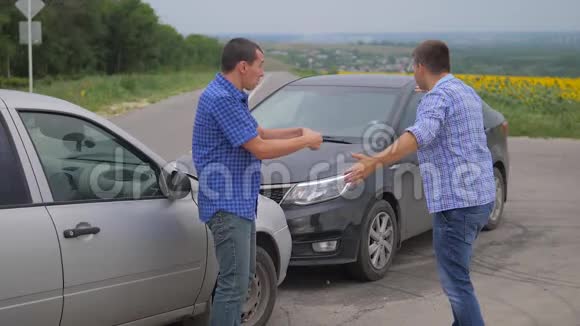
(333, 139)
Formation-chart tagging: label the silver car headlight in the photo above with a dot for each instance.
(308, 193)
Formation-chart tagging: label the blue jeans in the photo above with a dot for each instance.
(235, 244)
(454, 233)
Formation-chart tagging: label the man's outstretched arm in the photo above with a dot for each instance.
(430, 118)
(273, 148)
(286, 133)
(405, 145)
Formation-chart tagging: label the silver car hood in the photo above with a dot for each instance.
(271, 217)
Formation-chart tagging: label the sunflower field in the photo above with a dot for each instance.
(533, 106)
(535, 92)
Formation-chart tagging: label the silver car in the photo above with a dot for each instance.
(96, 229)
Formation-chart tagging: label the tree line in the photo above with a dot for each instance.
(98, 37)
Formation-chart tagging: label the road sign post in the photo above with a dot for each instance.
(30, 8)
(30, 75)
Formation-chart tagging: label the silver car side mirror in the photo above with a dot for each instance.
(174, 183)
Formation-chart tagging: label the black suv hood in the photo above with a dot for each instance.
(306, 165)
(330, 160)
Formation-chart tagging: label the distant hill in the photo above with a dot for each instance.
(543, 39)
(272, 64)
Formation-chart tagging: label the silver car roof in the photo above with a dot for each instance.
(22, 100)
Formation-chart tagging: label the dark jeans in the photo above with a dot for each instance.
(235, 244)
(454, 233)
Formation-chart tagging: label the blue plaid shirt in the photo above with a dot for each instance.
(455, 163)
(229, 175)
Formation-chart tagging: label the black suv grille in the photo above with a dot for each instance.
(276, 194)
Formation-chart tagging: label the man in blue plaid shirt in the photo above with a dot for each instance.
(456, 168)
(227, 148)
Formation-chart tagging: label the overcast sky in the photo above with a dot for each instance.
(367, 16)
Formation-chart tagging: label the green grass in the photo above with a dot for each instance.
(110, 95)
(561, 122)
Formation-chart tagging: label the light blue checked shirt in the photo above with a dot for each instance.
(455, 163)
(229, 175)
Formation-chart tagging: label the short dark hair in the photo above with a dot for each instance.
(236, 50)
(434, 55)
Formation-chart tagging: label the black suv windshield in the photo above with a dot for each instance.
(335, 111)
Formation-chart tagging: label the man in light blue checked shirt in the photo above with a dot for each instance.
(457, 171)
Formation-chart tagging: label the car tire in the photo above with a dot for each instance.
(499, 204)
(262, 291)
(369, 267)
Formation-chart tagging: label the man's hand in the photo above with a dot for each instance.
(314, 138)
(405, 145)
(361, 170)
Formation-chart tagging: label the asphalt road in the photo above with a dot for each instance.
(527, 272)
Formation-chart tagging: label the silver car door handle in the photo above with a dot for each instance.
(73, 233)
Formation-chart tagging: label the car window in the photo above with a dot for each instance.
(410, 114)
(491, 118)
(291, 104)
(13, 187)
(84, 162)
